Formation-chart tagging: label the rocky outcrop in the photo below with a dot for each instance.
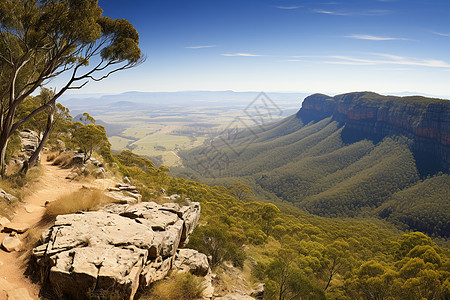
(29, 143)
(124, 193)
(114, 250)
(425, 121)
(192, 261)
(196, 263)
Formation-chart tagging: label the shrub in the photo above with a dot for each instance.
(178, 287)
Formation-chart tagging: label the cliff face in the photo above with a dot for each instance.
(425, 121)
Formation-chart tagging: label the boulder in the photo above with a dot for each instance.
(29, 139)
(95, 162)
(192, 261)
(121, 198)
(78, 158)
(30, 142)
(121, 246)
(100, 173)
(12, 243)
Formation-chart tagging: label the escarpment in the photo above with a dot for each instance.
(425, 121)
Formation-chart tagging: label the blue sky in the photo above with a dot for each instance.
(286, 45)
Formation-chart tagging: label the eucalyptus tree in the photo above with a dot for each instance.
(45, 39)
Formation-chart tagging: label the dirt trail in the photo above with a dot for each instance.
(52, 184)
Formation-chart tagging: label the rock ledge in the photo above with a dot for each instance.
(121, 246)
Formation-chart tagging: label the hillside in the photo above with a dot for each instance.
(245, 242)
(351, 155)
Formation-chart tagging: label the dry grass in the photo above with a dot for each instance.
(52, 155)
(64, 159)
(18, 185)
(82, 200)
(177, 287)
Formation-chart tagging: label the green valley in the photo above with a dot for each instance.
(337, 157)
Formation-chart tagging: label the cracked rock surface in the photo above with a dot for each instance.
(114, 250)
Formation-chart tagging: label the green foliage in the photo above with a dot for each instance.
(14, 145)
(286, 280)
(179, 286)
(214, 240)
(416, 206)
(89, 138)
(241, 191)
(314, 167)
(42, 40)
(298, 254)
(419, 275)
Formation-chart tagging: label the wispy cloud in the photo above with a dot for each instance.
(387, 59)
(330, 12)
(441, 34)
(377, 12)
(292, 60)
(289, 7)
(374, 38)
(201, 47)
(241, 54)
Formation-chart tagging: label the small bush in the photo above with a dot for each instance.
(178, 287)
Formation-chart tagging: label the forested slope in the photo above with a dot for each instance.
(354, 154)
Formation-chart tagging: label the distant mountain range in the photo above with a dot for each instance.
(356, 154)
(149, 101)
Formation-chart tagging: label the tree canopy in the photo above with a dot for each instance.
(41, 40)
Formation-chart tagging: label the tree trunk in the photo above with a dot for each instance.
(4, 138)
(3, 146)
(30, 163)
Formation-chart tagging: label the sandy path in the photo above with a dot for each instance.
(52, 185)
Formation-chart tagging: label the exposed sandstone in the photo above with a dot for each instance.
(122, 246)
(192, 261)
(425, 121)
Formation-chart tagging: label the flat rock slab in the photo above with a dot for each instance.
(17, 227)
(120, 246)
(121, 198)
